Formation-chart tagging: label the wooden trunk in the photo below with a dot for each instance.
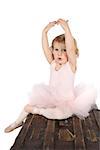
(39, 133)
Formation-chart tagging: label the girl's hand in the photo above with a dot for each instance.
(63, 23)
(49, 26)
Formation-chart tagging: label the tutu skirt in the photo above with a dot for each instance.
(82, 101)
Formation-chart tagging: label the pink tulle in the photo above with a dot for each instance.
(62, 94)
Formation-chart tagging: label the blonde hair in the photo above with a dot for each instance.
(61, 39)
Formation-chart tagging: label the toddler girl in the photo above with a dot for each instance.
(60, 99)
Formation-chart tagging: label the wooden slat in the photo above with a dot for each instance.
(49, 136)
(92, 132)
(95, 126)
(25, 133)
(36, 133)
(38, 124)
(97, 117)
(79, 140)
(64, 139)
(89, 134)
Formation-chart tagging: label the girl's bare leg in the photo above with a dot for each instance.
(50, 113)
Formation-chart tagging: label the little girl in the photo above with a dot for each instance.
(60, 99)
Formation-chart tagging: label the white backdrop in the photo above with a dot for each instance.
(22, 62)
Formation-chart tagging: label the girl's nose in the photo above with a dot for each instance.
(59, 52)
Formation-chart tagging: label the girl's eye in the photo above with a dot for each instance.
(64, 50)
(56, 49)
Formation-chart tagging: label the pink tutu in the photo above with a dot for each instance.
(62, 94)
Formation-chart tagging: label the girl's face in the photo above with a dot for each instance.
(59, 53)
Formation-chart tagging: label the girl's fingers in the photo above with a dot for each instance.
(59, 20)
(51, 24)
(62, 22)
(54, 22)
(67, 20)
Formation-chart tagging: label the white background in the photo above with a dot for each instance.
(22, 62)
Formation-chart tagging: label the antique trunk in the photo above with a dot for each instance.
(39, 133)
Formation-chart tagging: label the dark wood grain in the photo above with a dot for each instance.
(49, 135)
(79, 140)
(40, 133)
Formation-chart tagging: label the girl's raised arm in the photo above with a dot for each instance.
(45, 44)
(70, 44)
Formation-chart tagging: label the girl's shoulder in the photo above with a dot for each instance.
(53, 61)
